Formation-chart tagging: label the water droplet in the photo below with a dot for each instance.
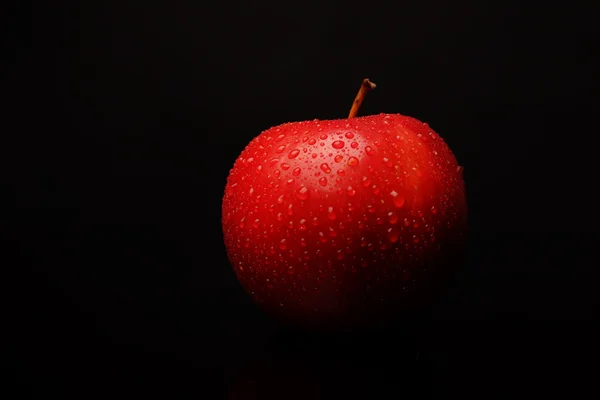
(255, 223)
(350, 190)
(277, 172)
(325, 168)
(352, 161)
(280, 199)
(296, 171)
(354, 145)
(279, 216)
(251, 191)
(315, 221)
(290, 210)
(393, 218)
(302, 193)
(338, 158)
(393, 235)
(323, 181)
(369, 150)
(415, 239)
(280, 138)
(341, 172)
(280, 148)
(249, 160)
(293, 154)
(331, 214)
(459, 169)
(282, 244)
(302, 226)
(314, 155)
(285, 166)
(338, 144)
(322, 237)
(397, 199)
(290, 181)
(242, 223)
(273, 162)
(323, 136)
(312, 141)
(259, 169)
(349, 135)
(433, 210)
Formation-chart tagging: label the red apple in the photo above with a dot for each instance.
(338, 222)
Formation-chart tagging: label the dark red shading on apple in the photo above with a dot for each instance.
(336, 222)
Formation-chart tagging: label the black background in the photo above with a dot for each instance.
(123, 121)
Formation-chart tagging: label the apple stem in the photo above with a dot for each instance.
(365, 87)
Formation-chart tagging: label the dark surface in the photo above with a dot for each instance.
(123, 122)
